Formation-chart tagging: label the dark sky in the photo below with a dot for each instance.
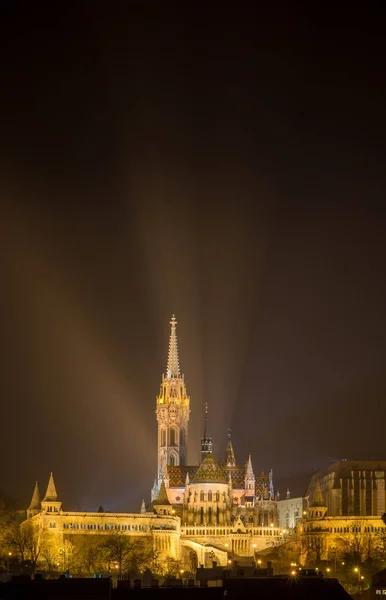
(219, 162)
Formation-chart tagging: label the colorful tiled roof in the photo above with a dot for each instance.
(210, 472)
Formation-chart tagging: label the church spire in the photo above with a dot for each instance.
(206, 441)
(51, 495)
(230, 459)
(173, 366)
(35, 500)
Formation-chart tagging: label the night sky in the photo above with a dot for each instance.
(216, 161)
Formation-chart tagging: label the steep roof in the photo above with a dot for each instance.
(317, 498)
(35, 500)
(51, 495)
(230, 459)
(162, 499)
(209, 472)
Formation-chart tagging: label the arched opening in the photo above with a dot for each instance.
(172, 460)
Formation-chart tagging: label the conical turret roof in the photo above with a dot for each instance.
(162, 499)
(317, 497)
(35, 500)
(209, 472)
(230, 459)
(51, 495)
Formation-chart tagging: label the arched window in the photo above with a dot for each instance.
(182, 437)
(172, 460)
(201, 496)
(173, 436)
(163, 437)
(217, 496)
(209, 496)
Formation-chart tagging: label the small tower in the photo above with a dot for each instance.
(318, 508)
(35, 505)
(50, 501)
(206, 441)
(162, 506)
(230, 459)
(173, 409)
(249, 478)
(143, 507)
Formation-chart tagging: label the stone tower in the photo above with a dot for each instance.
(173, 408)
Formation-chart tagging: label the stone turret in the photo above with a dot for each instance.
(318, 506)
(50, 501)
(162, 506)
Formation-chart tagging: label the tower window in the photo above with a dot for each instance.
(173, 436)
(172, 460)
(163, 437)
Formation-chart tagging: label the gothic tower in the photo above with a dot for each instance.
(173, 408)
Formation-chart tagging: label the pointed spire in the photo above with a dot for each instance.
(173, 367)
(206, 440)
(162, 499)
(317, 497)
(143, 507)
(51, 495)
(230, 459)
(35, 500)
(249, 474)
(288, 494)
(187, 480)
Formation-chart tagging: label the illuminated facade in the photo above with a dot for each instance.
(345, 503)
(215, 509)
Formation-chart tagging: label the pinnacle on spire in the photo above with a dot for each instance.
(143, 507)
(173, 366)
(206, 441)
(249, 474)
(187, 480)
(230, 459)
(51, 495)
(35, 500)
(206, 421)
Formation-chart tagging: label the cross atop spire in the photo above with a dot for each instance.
(173, 366)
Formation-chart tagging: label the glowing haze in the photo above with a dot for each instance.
(229, 174)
